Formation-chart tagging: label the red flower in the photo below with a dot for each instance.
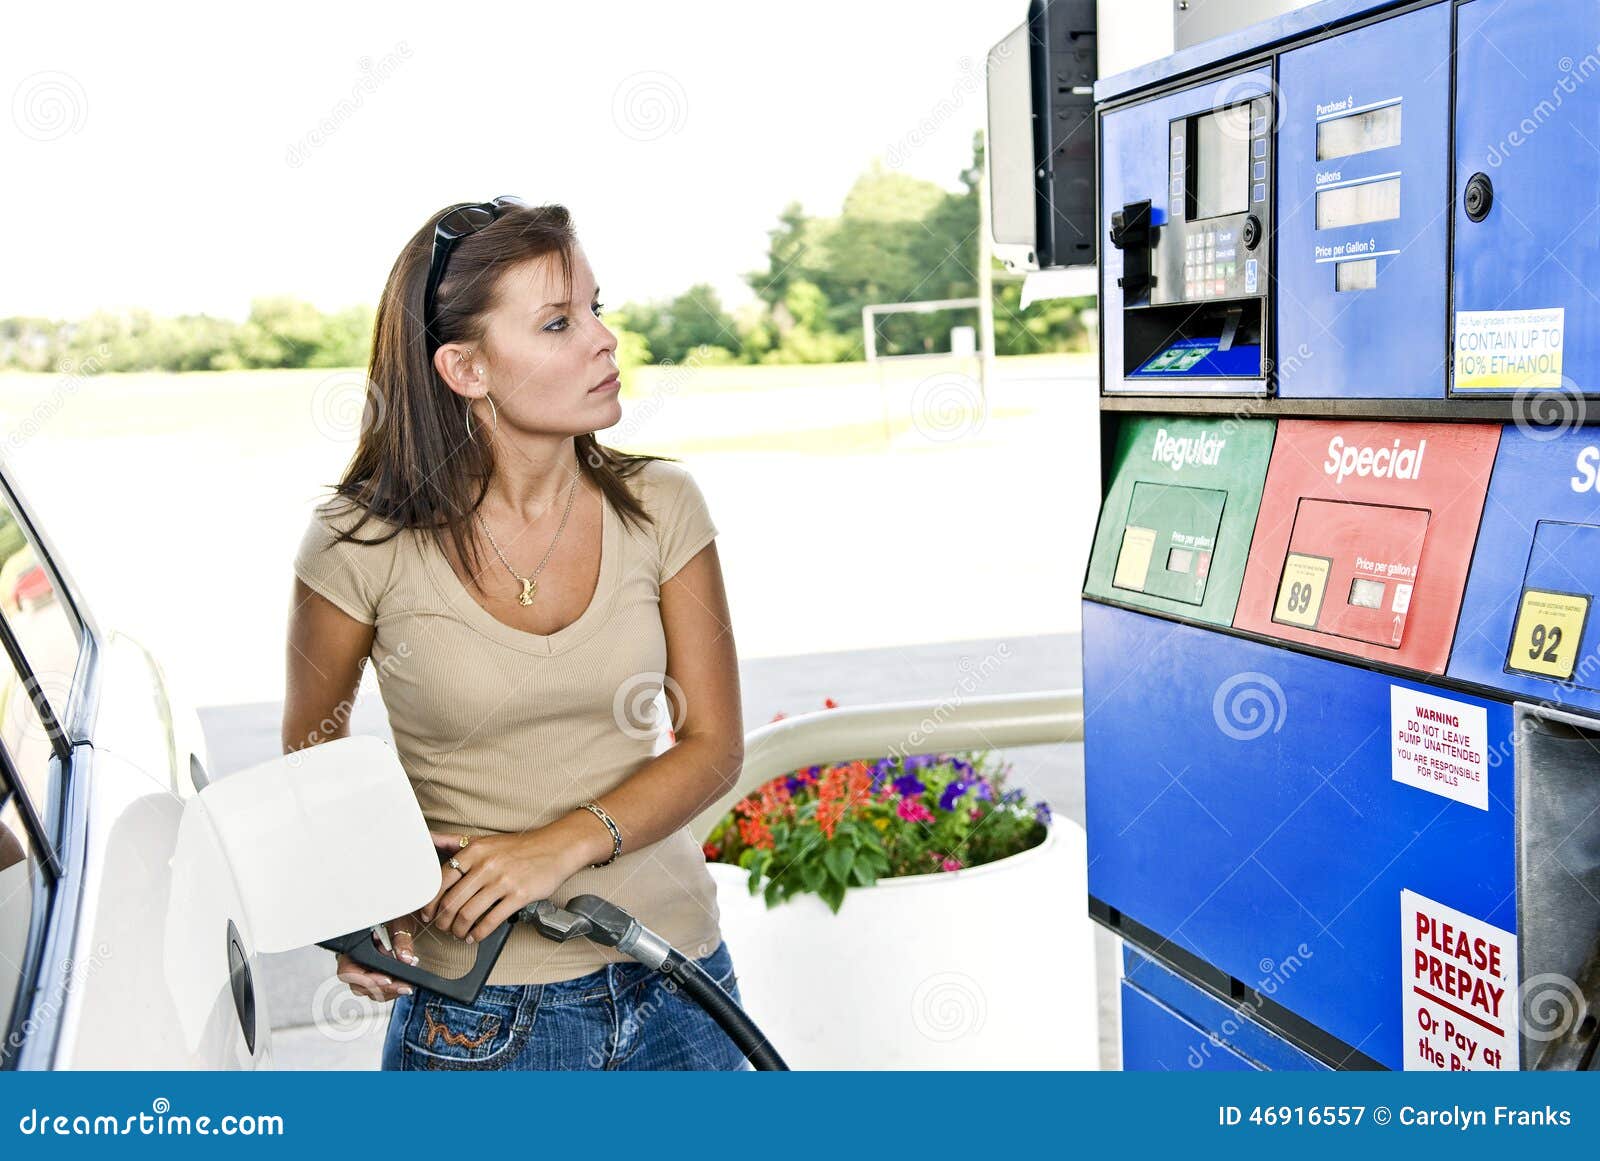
(829, 703)
(711, 851)
(779, 716)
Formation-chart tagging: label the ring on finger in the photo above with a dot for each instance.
(456, 863)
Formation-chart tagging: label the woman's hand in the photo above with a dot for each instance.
(500, 874)
(372, 982)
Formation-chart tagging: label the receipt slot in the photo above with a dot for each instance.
(1363, 184)
(1364, 537)
(1176, 523)
(1526, 175)
(1528, 623)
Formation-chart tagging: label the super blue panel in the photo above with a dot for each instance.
(1157, 1039)
(1540, 529)
(1240, 803)
(1224, 1023)
(1387, 341)
(1134, 158)
(1526, 116)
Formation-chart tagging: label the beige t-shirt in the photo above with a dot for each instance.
(500, 730)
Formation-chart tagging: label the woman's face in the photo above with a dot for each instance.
(550, 365)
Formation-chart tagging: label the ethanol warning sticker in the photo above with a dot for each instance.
(1301, 589)
(1506, 350)
(1440, 745)
(1549, 627)
(1460, 1001)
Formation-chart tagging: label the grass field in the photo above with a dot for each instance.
(857, 505)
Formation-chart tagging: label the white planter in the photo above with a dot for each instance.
(987, 967)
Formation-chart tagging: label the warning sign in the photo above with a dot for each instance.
(1460, 1002)
(1548, 629)
(1440, 745)
(1500, 350)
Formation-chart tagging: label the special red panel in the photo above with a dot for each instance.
(1365, 535)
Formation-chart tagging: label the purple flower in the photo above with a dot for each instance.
(908, 785)
(880, 771)
(1041, 811)
(792, 783)
(919, 761)
(947, 800)
(1010, 796)
(985, 791)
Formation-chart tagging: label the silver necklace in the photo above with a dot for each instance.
(530, 584)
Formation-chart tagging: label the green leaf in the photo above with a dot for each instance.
(772, 895)
(832, 894)
(838, 860)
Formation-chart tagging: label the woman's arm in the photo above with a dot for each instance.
(327, 651)
(506, 872)
(326, 654)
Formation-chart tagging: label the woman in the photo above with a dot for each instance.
(525, 593)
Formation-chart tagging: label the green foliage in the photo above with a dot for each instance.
(826, 829)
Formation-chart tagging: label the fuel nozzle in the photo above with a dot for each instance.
(591, 917)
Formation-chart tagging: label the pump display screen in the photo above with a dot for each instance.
(1219, 163)
(1359, 132)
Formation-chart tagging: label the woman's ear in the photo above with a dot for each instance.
(461, 368)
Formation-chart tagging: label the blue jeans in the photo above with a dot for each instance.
(623, 1015)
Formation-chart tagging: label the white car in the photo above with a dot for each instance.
(135, 898)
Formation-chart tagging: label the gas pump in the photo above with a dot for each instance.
(1341, 677)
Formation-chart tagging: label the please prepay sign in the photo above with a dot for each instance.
(1459, 977)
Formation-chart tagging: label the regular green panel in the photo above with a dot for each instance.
(1177, 520)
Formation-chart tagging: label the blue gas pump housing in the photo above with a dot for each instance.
(1354, 821)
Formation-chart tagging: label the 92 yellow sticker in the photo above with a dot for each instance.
(1300, 590)
(1549, 628)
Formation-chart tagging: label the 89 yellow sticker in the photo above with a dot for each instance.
(1549, 627)
(1300, 590)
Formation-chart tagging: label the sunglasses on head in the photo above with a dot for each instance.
(454, 226)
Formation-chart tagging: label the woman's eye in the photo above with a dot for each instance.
(599, 309)
(560, 324)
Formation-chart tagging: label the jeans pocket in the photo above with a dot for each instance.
(719, 966)
(488, 1033)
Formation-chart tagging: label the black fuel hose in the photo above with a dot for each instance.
(731, 1018)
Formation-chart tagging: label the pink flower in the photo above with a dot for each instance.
(913, 810)
(974, 812)
(951, 863)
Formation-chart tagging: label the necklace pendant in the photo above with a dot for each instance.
(529, 587)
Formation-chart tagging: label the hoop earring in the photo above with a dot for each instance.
(493, 410)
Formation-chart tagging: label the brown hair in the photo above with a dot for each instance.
(418, 463)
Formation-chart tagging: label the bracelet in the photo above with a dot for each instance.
(599, 812)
